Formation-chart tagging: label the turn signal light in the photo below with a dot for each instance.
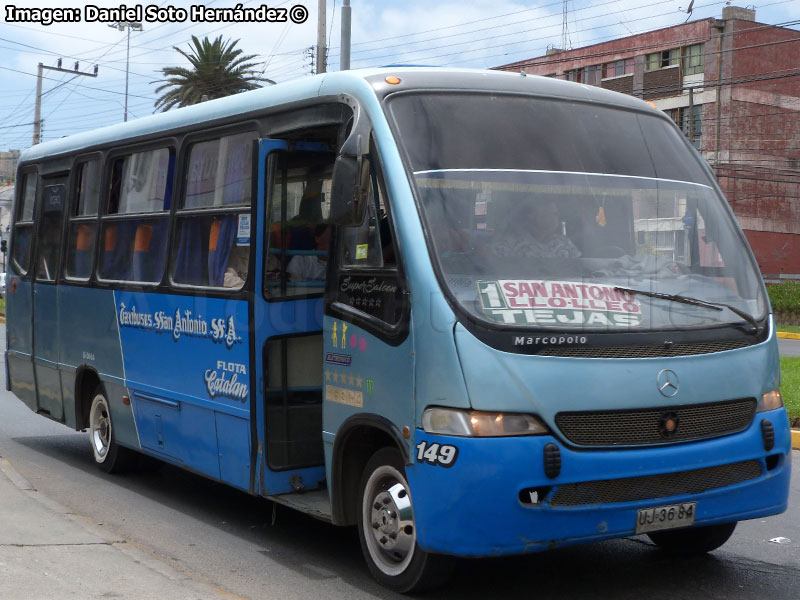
(770, 401)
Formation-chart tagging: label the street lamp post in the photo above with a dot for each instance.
(136, 26)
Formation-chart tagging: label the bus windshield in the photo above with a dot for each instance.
(548, 214)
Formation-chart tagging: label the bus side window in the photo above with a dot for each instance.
(370, 244)
(368, 254)
(49, 229)
(83, 221)
(297, 252)
(212, 242)
(135, 227)
(23, 227)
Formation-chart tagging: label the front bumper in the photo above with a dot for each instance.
(472, 506)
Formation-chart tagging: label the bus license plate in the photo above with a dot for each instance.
(665, 517)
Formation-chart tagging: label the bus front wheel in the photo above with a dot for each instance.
(387, 530)
(108, 455)
(693, 540)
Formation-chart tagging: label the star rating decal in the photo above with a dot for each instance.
(344, 378)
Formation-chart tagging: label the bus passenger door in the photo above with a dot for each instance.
(47, 256)
(291, 266)
(19, 293)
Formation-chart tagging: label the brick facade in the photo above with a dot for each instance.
(747, 96)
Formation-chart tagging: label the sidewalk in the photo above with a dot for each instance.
(46, 553)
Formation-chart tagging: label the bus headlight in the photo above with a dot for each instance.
(476, 423)
(770, 401)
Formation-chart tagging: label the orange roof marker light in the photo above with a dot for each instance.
(392, 79)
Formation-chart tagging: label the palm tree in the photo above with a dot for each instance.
(218, 70)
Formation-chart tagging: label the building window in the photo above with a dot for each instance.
(660, 60)
(681, 117)
(591, 75)
(617, 68)
(693, 59)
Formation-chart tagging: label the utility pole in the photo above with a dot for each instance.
(321, 49)
(136, 26)
(344, 51)
(37, 114)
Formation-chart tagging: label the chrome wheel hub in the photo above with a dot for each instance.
(389, 520)
(100, 428)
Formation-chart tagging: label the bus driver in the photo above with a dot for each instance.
(533, 232)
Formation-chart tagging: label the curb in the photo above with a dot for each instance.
(795, 439)
(788, 336)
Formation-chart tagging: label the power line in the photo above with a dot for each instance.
(517, 64)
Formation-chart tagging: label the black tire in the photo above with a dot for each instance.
(387, 531)
(108, 455)
(693, 540)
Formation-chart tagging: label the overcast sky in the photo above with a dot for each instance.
(479, 34)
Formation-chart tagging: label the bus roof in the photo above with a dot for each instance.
(356, 82)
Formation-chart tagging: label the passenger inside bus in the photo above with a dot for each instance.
(300, 228)
(312, 267)
(236, 271)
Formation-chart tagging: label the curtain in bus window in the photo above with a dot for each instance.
(145, 180)
(202, 174)
(238, 170)
(117, 241)
(221, 241)
(79, 258)
(189, 267)
(220, 172)
(149, 247)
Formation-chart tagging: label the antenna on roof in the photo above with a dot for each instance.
(688, 11)
(565, 41)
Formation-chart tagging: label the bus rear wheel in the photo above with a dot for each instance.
(387, 530)
(693, 540)
(108, 455)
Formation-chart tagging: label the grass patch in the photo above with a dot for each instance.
(788, 328)
(3, 305)
(790, 385)
(785, 297)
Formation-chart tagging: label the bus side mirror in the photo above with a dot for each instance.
(350, 190)
(351, 174)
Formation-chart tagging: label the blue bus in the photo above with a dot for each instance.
(472, 313)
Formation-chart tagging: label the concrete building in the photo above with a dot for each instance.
(733, 86)
(8, 165)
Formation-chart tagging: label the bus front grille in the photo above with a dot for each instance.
(632, 489)
(646, 426)
(649, 351)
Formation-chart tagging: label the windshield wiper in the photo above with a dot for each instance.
(693, 302)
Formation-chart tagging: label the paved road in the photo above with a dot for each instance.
(789, 347)
(218, 535)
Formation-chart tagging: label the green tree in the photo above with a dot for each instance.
(218, 69)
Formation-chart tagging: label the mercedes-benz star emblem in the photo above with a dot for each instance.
(667, 383)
